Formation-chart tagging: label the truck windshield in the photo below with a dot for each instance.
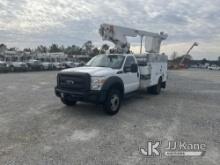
(111, 61)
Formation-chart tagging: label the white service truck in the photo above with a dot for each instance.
(106, 79)
(214, 67)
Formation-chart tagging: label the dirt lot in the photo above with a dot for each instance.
(36, 128)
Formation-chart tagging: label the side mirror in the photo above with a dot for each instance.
(134, 68)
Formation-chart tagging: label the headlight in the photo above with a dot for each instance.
(97, 83)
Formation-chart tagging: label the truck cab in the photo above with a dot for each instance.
(105, 79)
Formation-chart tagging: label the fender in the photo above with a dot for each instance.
(111, 81)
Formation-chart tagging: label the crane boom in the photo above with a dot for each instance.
(187, 53)
(118, 35)
(195, 44)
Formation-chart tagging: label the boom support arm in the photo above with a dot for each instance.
(118, 35)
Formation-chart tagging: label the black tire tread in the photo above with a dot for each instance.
(106, 105)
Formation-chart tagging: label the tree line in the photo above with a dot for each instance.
(88, 48)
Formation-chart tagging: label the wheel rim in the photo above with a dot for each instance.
(114, 102)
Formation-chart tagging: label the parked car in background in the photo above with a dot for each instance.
(17, 66)
(35, 65)
(47, 65)
(202, 66)
(77, 64)
(194, 66)
(214, 67)
(69, 64)
(58, 65)
(82, 63)
(3, 66)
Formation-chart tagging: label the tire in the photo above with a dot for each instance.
(156, 89)
(113, 102)
(29, 68)
(164, 84)
(68, 102)
(42, 68)
(12, 69)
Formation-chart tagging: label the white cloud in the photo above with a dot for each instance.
(26, 23)
(43, 14)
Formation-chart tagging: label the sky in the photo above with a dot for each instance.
(28, 23)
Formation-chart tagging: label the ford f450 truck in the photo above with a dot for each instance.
(107, 79)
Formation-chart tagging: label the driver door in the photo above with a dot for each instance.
(130, 79)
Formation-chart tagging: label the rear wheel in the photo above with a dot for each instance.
(156, 89)
(68, 101)
(113, 102)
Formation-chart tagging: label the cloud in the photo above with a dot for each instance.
(25, 23)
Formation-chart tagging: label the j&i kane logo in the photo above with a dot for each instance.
(174, 148)
(153, 149)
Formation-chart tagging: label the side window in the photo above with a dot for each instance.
(129, 61)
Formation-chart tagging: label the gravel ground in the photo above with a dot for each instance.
(36, 128)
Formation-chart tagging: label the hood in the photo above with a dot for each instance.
(93, 71)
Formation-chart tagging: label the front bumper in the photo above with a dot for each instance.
(88, 96)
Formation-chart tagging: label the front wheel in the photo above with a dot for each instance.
(68, 102)
(113, 102)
